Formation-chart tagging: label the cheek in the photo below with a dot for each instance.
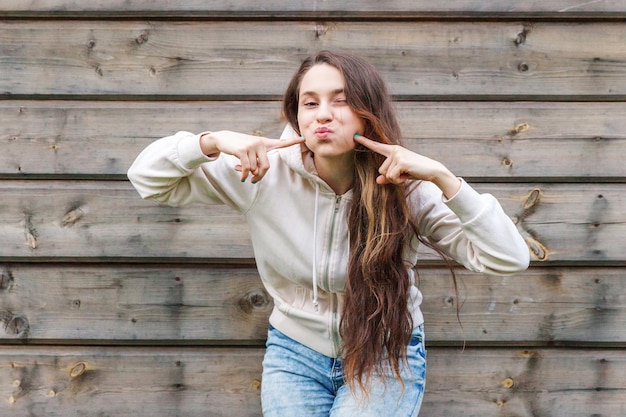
(348, 116)
(303, 119)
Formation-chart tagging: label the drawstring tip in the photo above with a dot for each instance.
(316, 306)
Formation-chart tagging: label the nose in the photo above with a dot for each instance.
(324, 113)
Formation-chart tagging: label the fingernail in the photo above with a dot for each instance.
(243, 180)
(254, 182)
(356, 135)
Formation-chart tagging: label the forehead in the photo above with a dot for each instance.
(320, 79)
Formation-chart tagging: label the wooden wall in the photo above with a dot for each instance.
(114, 306)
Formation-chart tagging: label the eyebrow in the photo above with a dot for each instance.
(313, 93)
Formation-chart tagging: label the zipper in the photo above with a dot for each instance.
(334, 323)
(330, 242)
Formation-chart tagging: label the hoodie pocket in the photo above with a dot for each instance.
(296, 299)
(300, 297)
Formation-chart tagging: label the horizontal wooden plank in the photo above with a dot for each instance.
(202, 59)
(92, 220)
(275, 8)
(141, 382)
(110, 304)
(165, 382)
(133, 304)
(490, 139)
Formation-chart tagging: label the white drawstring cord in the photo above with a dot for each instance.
(315, 302)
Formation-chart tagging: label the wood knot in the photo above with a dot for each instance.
(320, 30)
(16, 325)
(508, 383)
(78, 369)
(254, 300)
(6, 279)
(72, 216)
(520, 39)
(528, 353)
(141, 39)
(539, 251)
(30, 233)
(256, 384)
(507, 162)
(532, 199)
(521, 128)
(448, 301)
(31, 240)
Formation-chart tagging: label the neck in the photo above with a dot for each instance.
(338, 172)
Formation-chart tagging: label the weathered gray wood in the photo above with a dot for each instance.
(547, 60)
(453, 8)
(529, 383)
(163, 290)
(101, 220)
(576, 305)
(76, 304)
(163, 382)
(475, 139)
(109, 304)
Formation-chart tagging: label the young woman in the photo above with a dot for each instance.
(336, 210)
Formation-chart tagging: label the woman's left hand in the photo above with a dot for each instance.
(402, 164)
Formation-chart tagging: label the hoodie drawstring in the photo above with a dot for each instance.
(315, 302)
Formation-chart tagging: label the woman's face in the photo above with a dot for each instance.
(325, 119)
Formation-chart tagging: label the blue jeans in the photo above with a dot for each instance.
(300, 382)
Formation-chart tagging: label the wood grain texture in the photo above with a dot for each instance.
(114, 306)
(134, 304)
(217, 59)
(99, 220)
(346, 8)
(190, 305)
(162, 382)
(475, 139)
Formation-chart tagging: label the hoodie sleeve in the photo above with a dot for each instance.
(472, 229)
(174, 171)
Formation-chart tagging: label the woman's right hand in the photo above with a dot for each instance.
(251, 150)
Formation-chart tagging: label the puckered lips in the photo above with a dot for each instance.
(323, 132)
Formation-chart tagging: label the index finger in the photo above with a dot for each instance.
(282, 143)
(377, 147)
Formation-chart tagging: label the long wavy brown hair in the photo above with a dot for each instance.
(376, 323)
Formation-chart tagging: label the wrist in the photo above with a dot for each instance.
(208, 145)
(448, 183)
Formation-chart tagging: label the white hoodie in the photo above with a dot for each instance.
(298, 227)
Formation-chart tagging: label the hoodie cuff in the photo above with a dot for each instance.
(189, 152)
